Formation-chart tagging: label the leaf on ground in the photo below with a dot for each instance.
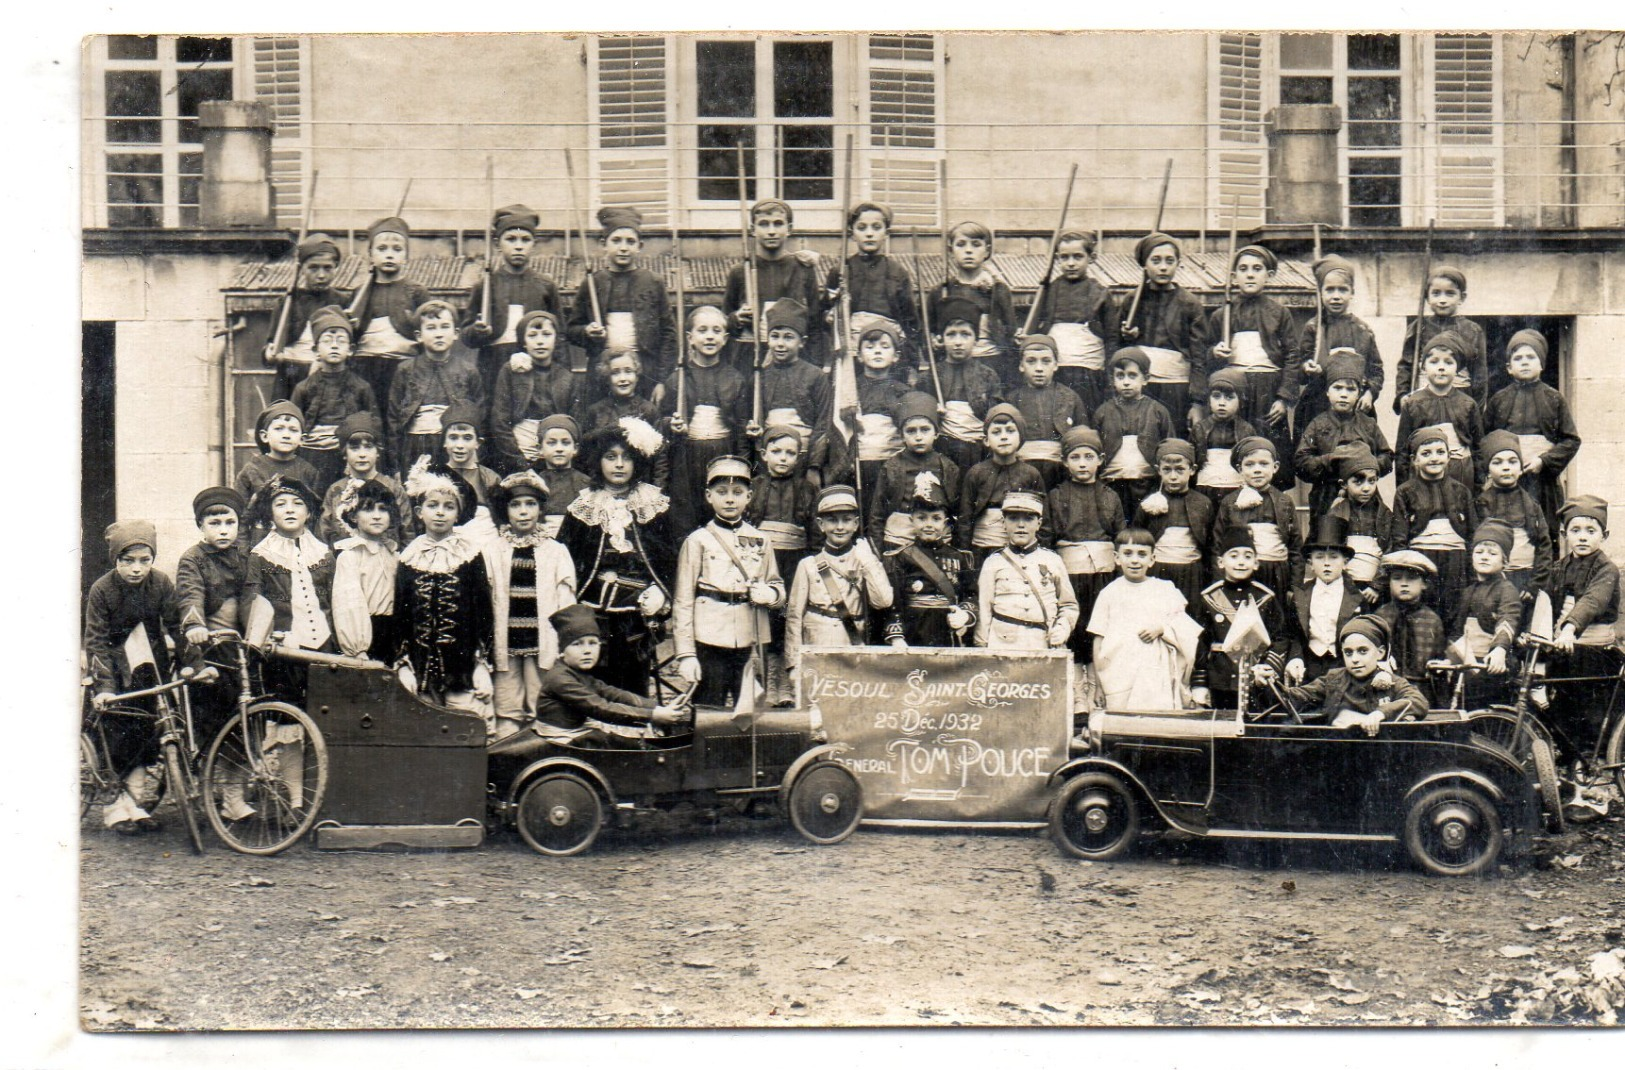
(1571, 861)
(529, 993)
(700, 964)
(701, 930)
(455, 901)
(406, 904)
(259, 882)
(887, 939)
(1352, 999)
(210, 927)
(438, 956)
(1107, 977)
(826, 964)
(567, 957)
(1515, 951)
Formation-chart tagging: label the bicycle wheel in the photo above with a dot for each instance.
(180, 783)
(93, 776)
(265, 778)
(1615, 755)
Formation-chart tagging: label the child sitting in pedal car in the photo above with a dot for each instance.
(1361, 693)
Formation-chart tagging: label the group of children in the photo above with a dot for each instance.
(446, 492)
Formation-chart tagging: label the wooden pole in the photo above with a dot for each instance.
(1054, 248)
(1162, 203)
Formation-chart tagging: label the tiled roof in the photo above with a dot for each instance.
(454, 277)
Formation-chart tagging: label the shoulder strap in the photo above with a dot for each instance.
(933, 572)
(733, 554)
(1032, 584)
(849, 622)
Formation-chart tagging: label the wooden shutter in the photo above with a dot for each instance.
(281, 79)
(1467, 184)
(903, 138)
(631, 85)
(1238, 156)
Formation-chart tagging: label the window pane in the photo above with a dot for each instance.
(807, 162)
(1306, 51)
(135, 189)
(1374, 112)
(129, 46)
(1300, 90)
(203, 50)
(193, 88)
(1374, 189)
(803, 79)
(719, 171)
(1373, 51)
(726, 76)
(133, 93)
(191, 179)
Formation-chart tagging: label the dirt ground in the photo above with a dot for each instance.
(688, 921)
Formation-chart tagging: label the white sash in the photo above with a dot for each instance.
(515, 314)
(960, 422)
(1168, 365)
(1597, 635)
(381, 339)
(984, 347)
(1176, 547)
(527, 436)
(1267, 540)
(988, 532)
(1452, 440)
(1247, 352)
(1366, 559)
(622, 332)
(1087, 558)
(1076, 346)
(1217, 471)
(1438, 535)
(303, 351)
(789, 418)
(321, 437)
(1478, 640)
(783, 535)
(1128, 462)
(706, 425)
(878, 439)
(427, 420)
(1532, 446)
(1523, 551)
(1040, 449)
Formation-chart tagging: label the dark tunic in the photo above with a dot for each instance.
(1170, 318)
(444, 621)
(985, 486)
(1418, 636)
(1338, 690)
(1278, 333)
(919, 615)
(258, 471)
(1087, 302)
(533, 395)
(880, 285)
(895, 488)
(1277, 509)
(1472, 375)
(643, 294)
(1518, 508)
(398, 300)
(1192, 510)
(783, 277)
(113, 610)
(1341, 332)
(1419, 501)
(289, 374)
(424, 381)
(1427, 409)
(726, 389)
(1216, 608)
(795, 385)
(1316, 463)
(999, 308)
(1537, 409)
(571, 697)
(527, 289)
(209, 586)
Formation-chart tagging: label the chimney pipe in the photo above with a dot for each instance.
(236, 186)
(1305, 186)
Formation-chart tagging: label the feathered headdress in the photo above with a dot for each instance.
(641, 436)
(427, 476)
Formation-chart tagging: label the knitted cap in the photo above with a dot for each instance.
(315, 245)
(1528, 337)
(882, 325)
(788, 313)
(462, 412)
(1081, 436)
(1133, 355)
(1359, 458)
(1175, 447)
(271, 412)
(1255, 250)
(1008, 411)
(1450, 340)
(574, 622)
(1143, 247)
(916, 406)
(1425, 435)
(514, 217)
(774, 432)
(1330, 265)
(330, 318)
(1499, 441)
(1584, 505)
(389, 225)
(1497, 531)
(1039, 341)
(558, 421)
(123, 534)
(1369, 625)
(1252, 444)
(958, 310)
(1229, 378)
(1344, 363)
(613, 217)
(210, 497)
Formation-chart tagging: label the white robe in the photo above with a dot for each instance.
(1138, 676)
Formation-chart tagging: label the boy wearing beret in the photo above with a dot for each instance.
(1338, 328)
(934, 581)
(1441, 404)
(632, 300)
(383, 310)
(278, 432)
(515, 291)
(1434, 514)
(1539, 416)
(889, 516)
(779, 273)
(531, 385)
(1504, 498)
(1049, 408)
(1080, 316)
(1026, 600)
(129, 613)
(1446, 290)
(1171, 329)
(969, 387)
(1081, 518)
(329, 394)
(442, 375)
(986, 484)
(1131, 428)
(574, 706)
(1342, 425)
(316, 264)
(1180, 519)
(1263, 343)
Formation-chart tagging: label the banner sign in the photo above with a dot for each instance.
(945, 735)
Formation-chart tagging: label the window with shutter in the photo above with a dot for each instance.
(1238, 160)
(1466, 110)
(280, 80)
(904, 113)
(630, 135)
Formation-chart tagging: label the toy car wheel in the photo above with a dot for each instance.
(560, 814)
(826, 803)
(1453, 831)
(1094, 817)
(1551, 798)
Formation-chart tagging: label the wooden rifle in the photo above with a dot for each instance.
(363, 293)
(490, 244)
(1230, 271)
(682, 330)
(279, 336)
(578, 361)
(1054, 250)
(1421, 313)
(925, 315)
(752, 296)
(1162, 203)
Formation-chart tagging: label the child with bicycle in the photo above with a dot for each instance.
(1585, 600)
(129, 613)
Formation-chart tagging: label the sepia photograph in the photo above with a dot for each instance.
(743, 529)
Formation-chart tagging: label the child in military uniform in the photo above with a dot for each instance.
(1025, 596)
(934, 581)
(838, 591)
(1219, 666)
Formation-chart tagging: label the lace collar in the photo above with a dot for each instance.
(535, 538)
(597, 507)
(445, 556)
(307, 551)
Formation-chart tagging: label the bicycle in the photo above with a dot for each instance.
(99, 782)
(1604, 760)
(265, 774)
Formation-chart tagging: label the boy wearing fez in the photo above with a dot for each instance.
(1025, 597)
(1359, 693)
(531, 385)
(1181, 520)
(1369, 520)
(1440, 403)
(934, 581)
(1342, 425)
(385, 319)
(362, 438)
(726, 576)
(515, 291)
(889, 522)
(837, 591)
(637, 315)
(316, 265)
(982, 493)
(1217, 433)
(1131, 428)
(1585, 592)
(795, 394)
(1267, 512)
(1528, 564)
(427, 385)
(278, 432)
(329, 394)
(1489, 617)
(1540, 418)
(1435, 514)
(1170, 328)
(969, 387)
(779, 274)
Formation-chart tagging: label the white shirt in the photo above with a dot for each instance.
(1324, 601)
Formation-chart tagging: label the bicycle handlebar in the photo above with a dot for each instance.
(316, 657)
(161, 689)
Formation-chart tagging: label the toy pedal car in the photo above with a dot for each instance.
(1443, 786)
(556, 793)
